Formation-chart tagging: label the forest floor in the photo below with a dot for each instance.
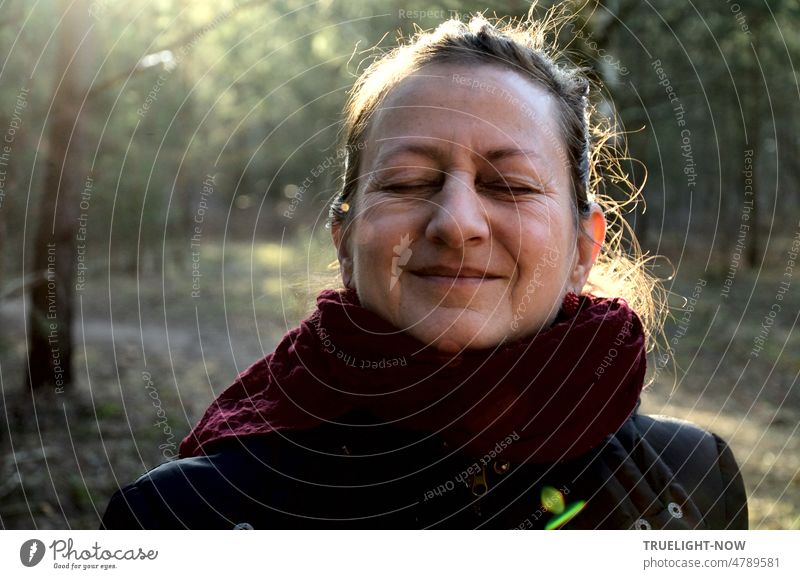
(150, 358)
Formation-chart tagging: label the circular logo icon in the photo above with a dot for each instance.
(243, 527)
(31, 552)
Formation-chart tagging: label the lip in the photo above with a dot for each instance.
(454, 275)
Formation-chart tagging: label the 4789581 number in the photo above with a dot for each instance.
(755, 562)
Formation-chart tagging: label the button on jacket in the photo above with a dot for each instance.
(655, 472)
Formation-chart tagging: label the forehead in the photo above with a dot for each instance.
(478, 107)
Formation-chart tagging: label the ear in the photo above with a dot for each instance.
(343, 253)
(590, 241)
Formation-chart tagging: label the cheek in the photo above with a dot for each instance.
(378, 231)
(539, 273)
(542, 258)
(372, 255)
(534, 237)
(364, 236)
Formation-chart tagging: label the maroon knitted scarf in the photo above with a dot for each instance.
(557, 394)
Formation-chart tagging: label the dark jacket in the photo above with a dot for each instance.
(655, 472)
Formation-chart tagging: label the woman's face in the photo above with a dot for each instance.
(462, 230)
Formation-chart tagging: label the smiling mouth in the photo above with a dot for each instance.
(452, 276)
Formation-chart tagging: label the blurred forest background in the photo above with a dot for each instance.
(165, 167)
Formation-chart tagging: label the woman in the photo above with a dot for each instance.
(465, 376)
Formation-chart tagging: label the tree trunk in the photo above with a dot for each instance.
(54, 255)
(753, 136)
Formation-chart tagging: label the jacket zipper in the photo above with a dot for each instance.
(479, 487)
(479, 482)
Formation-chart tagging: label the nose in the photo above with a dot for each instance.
(458, 214)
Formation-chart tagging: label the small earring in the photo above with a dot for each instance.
(570, 304)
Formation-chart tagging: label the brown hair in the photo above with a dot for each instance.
(593, 147)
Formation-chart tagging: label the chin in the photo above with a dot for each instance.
(461, 336)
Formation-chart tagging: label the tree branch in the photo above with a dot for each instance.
(183, 41)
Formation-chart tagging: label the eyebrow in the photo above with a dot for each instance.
(436, 153)
(496, 154)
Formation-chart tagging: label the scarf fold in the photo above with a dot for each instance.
(553, 396)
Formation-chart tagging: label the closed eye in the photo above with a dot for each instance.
(511, 188)
(409, 187)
